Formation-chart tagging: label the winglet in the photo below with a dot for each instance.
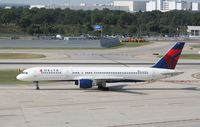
(171, 58)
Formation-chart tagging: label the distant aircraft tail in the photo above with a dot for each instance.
(170, 59)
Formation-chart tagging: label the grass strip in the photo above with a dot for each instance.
(195, 46)
(187, 56)
(20, 56)
(9, 77)
(122, 45)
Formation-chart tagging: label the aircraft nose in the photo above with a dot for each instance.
(19, 77)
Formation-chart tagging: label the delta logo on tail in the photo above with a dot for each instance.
(170, 60)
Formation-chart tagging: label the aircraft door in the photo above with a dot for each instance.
(67, 74)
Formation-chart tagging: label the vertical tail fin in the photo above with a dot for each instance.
(170, 60)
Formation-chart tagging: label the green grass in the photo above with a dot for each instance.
(187, 56)
(190, 56)
(195, 46)
(9, 77)
(133, 44)
(20, 56)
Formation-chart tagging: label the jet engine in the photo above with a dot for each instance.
(85, 83)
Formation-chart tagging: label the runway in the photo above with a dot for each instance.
(172, 102)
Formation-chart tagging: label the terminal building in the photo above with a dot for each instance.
(194, 31)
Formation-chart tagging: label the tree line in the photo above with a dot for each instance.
(78, 22)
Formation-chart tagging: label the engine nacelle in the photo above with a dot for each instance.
(85, 83)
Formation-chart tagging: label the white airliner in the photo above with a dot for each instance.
(87, 77)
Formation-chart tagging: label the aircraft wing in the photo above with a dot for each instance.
(108, 79)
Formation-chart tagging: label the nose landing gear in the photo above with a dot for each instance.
(37, 85)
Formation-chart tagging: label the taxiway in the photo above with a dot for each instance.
(172, 102)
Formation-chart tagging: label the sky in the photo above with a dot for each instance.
(61, 2)
(56, 1)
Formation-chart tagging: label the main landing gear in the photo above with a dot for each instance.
(37, 85)
(102, 86)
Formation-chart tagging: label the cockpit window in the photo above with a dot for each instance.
(25, 73)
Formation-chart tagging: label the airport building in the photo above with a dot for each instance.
(36, 6)
(168, 5)
(195, 6)
(123, 5)
(133, 6)
(86, 7)
(194, 31)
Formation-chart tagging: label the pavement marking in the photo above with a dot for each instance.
(137, 106)
(11, 115)
(12, 108)
(159, 122)
(108, 102)
(97, 109)
(181, 81)
(52, 112)
(196, 75)
(175, 103)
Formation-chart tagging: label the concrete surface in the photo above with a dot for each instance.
(172, 102)
(143, 105)
(120, 55)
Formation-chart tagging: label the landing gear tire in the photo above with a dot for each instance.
(37, 85)
(103, 88)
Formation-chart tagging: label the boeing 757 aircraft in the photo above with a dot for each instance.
(87, 77)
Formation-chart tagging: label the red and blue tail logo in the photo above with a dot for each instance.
(170, 60)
